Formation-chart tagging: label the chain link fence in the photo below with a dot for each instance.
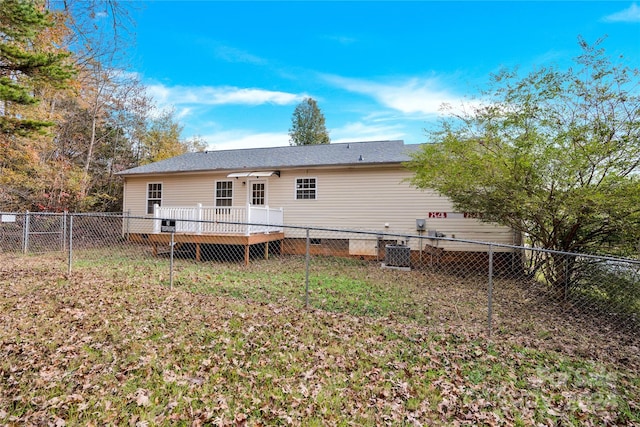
(435, 281)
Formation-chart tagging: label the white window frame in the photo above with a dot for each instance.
(148, 199)
(215, 193)
(315, 189)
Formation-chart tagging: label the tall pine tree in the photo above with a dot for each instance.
(25, 64)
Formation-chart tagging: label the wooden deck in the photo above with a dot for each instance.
(157, 239)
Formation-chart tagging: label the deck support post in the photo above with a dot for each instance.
(159, 240)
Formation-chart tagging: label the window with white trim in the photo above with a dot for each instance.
(258, 193)
(306, 188)
(224, 193)
(154, 195)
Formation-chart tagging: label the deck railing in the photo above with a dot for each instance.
(221, 220)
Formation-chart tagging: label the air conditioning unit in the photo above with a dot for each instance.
(397, 256)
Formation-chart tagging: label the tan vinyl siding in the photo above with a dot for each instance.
(369, 199)
(362, 199)
(359, 198)
(177, 190)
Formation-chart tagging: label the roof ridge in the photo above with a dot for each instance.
(336, 154)
(300, 146)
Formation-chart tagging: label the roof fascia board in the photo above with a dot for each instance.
(227, 171)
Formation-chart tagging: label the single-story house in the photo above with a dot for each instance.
(347, 186)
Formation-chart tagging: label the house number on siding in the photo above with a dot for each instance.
(452, 215)
(437, 215)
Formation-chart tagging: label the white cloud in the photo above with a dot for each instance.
(219, 95)
(160, 93)
(632, 14)
(424, 96)
(237, 139)
(231, 54)
(362, 131)
(357, 131)
(183, 112)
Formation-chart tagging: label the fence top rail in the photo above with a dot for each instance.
(377, 234)
(35, 213)
(95, 214)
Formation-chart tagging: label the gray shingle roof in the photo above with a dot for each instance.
(343, 154)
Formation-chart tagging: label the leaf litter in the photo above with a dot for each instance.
(97, 349)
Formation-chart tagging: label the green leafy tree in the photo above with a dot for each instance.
(163, 139)
(554, 155)
(307, 125)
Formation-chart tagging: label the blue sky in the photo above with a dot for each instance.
(234, 71)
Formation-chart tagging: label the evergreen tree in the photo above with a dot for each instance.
(26, 64)
(307, 125)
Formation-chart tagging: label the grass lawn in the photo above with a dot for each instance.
(234, 345)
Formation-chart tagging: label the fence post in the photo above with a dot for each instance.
(306, 276)
(171, 262)
(70, 256)
(490, 295)
(128, 225)
(25, 233)
(63, 231)
(566, 276)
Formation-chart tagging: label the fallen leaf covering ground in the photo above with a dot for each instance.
(233, 346)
